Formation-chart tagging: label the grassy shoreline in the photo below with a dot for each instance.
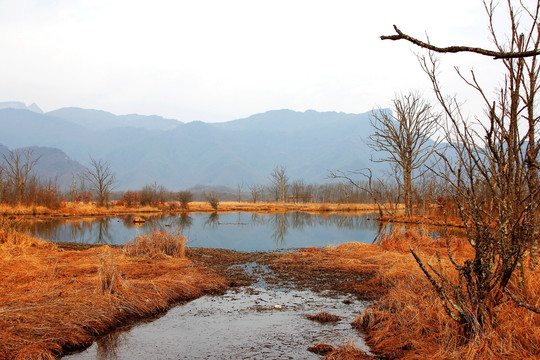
(69, 209)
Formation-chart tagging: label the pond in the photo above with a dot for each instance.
(237, 231)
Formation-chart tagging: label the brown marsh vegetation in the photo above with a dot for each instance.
(55, 300)
(407, 319)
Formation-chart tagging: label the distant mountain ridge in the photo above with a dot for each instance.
(144, 149)
(103, 120)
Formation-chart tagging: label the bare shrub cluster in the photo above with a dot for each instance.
(19, 184)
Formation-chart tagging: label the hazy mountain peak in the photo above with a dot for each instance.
(33, 107)
(20, 106)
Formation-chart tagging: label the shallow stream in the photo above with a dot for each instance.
(266, 320)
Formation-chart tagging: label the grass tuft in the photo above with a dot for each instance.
(109, 279)
(324, 317)
(157, 243)
(347, 352)
(321, 349)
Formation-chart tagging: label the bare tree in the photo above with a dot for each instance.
(280, 182)
(101, 180)
(2, 184)
(256, 192)
(381, 192)
(404, 137)
(299, 191)
(239, 188)
(18, 168)
(493, 175)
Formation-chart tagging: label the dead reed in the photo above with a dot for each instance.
(157, 243)
(347, 352)
(324, 317)
(109, 279)
(321, 349)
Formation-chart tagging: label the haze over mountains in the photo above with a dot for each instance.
(143, 149)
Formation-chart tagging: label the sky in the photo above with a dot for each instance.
(215, 60)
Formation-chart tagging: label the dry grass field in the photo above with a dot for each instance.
(53, 300)
(82, 209)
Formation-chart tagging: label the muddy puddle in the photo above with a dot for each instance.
(265, 320)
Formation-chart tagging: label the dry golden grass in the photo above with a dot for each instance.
(83, 209)
(407, 320)
(54, 300)
(321, 349)
(324, 317)
(347, 352)
(157, 243)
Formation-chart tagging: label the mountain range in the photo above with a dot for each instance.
(146, 149)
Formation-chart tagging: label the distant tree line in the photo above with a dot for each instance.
(20, 185)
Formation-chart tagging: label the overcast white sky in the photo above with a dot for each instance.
(215, 60)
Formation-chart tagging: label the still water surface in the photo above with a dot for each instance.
(238, 231)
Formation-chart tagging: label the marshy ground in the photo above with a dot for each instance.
(55, 300)
(261, 316)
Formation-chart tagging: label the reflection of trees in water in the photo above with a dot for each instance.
(212, 221)
(278, 226)
(79, 230)
(280, 223)
(257, 219)
(382, 230)
(299, 220)
(357, 222)
(47, 230)
(58, 230)
(183, 222)
(102, 235)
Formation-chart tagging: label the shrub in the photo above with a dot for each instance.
(213, 200)
(185, 197)
(131, 198)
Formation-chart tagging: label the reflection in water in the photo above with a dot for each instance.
(212, 221)
(103, 236)
(239, 231)
(185, 221)
(107, 346)
(280, 224)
